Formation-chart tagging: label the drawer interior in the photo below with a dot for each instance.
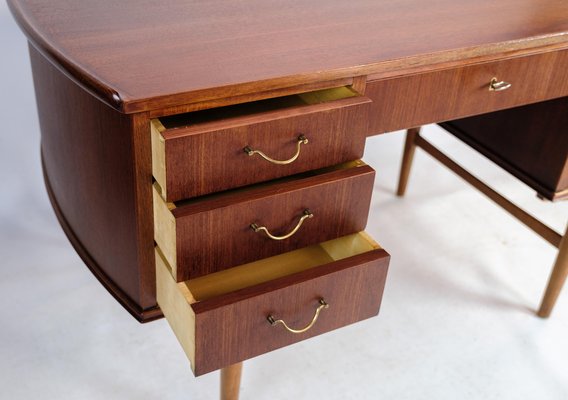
(268, 269)
(219, 319)
(256, 107)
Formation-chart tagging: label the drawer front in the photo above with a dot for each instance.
(399, 103)
(215, 232)
(235, 326)
(210, 156)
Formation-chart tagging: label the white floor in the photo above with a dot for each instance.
(456, 322)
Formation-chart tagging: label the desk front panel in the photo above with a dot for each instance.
(410, 101)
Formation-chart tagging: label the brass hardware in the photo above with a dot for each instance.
(301, 140)
(496, 85)
(322, 305)
(306, 214)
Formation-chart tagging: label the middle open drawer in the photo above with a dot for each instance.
(207, 234)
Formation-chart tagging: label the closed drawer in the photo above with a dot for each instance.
(223, 318)
(210, 233)
(399, 103)
(204, 152)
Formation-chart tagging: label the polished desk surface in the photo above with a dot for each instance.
(145, 55)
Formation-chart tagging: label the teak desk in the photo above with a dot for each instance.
(196, 153)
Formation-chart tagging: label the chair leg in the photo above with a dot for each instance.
(556, 280)
(231, 381)
(407, 157)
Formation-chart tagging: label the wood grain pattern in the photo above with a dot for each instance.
(207, 157)
(411, 101)
(214, 233)
(530, 142)
(198, 51)
(114, 288)
(97, 168)
(232, 327)
(235, 328)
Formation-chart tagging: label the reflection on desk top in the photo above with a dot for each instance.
(140, 55)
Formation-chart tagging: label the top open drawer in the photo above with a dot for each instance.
(217, 149)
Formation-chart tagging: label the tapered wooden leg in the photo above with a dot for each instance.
(231, 381)
(407, 157)
(557, 279)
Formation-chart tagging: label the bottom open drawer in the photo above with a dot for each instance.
(230, 316)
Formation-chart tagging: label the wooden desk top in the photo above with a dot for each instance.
(140, 55)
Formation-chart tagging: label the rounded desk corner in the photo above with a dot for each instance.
(140, 314)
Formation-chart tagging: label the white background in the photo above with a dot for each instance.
(456, 321)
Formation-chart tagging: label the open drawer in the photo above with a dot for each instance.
(211, 233)
(217, 149)
(239, 313)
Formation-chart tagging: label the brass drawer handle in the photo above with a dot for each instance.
(301, 140)
(305, 215)
(274, 322)
(496, 85)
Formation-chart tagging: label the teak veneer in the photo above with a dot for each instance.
(200, 51)
(89, 71)
(203, 152)
(436, 96)
(145, 103)
(210, 233)
(221, 318)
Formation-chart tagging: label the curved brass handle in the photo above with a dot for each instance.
(301, 140)
(306, 214)
(274, 322)
(496, 85)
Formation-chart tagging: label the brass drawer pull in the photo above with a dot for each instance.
(301, 140)
(306, 214)
(322, 305)
(496, 85)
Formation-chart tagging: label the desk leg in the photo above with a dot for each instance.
(407, 157)
(231, 381)
(557, 279)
